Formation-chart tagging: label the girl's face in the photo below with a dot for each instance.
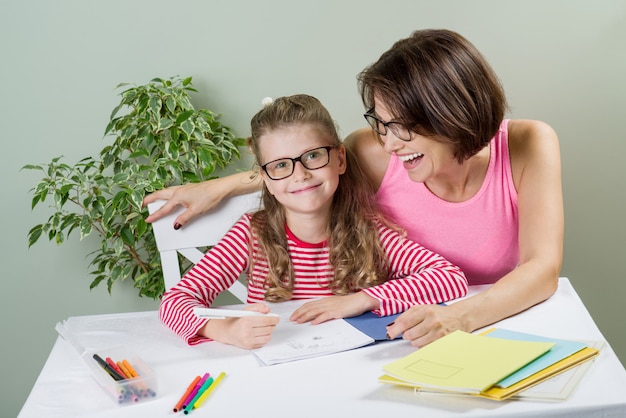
(305, 191)
(423, 158)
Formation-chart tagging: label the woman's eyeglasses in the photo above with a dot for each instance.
(399, 130)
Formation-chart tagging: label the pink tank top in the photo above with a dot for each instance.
(480, 234)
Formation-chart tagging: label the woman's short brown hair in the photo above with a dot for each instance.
(438, 84)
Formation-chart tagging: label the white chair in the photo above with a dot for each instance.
(203, 231)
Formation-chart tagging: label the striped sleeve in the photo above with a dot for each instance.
(215, 272)
(417, 276)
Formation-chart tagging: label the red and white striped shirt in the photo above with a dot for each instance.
(416, 276)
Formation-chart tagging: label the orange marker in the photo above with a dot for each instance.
(130, 368)
(192, 385)
(124, 370)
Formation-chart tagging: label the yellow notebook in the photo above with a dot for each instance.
(464, 363)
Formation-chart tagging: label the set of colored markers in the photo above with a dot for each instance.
(129, 384)
(197, 392)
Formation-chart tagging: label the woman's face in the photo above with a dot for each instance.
(422, 157)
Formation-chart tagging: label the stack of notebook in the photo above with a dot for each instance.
(497, 364)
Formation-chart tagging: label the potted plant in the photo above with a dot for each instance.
(160, 139)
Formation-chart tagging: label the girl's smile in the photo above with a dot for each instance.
(305, 189)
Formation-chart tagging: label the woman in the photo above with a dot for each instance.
(482, 191)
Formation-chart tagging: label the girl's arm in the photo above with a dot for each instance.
(214, 273)
(418, 276)
(199, 198)
(536, 164)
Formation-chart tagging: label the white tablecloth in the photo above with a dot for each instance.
(343, 384)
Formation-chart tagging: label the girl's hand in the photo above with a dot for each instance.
(248, 332)
(333, 307)
(422, 324)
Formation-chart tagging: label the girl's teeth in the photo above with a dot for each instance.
(409, 157)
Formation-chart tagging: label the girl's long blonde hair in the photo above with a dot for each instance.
(355, 250)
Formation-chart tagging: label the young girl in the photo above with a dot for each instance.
(318, 235)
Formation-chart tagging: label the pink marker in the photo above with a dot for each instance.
(195, 390)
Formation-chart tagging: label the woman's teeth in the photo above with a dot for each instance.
(409, 157)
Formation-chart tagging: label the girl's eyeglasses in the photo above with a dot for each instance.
(311, 160)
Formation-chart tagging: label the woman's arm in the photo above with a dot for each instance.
(372, 157)
(536, 164)
(199, 198)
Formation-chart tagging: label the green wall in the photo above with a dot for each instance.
(560, 61)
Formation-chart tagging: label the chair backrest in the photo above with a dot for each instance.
(202, 231)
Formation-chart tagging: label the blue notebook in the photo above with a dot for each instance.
(561, 350)
(373, 325)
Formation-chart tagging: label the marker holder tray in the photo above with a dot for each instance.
(129, 391)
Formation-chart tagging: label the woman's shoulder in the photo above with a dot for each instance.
(532, 143)
(525, 133)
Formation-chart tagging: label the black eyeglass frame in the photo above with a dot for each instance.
(299, 158)
(393, 126)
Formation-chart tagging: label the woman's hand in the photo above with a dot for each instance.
(195, 197)
(334, 307)
(199, 198)
(248, 332)
(423, 324)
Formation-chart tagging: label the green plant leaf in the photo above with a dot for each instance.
(115, 110)
(99, 278)
(170, 103)
(142, 228)
(137, 198)
(34, 234)
(85, 226)
(165, 123)
(32, 167)
(155, 105)
(187, 127)
(127, 236)
(183, 116)
(36, 199)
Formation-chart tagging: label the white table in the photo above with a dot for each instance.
(343, 384)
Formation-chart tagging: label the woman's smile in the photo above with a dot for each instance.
(410, 161)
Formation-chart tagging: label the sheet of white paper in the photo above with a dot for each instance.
(291, 341)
